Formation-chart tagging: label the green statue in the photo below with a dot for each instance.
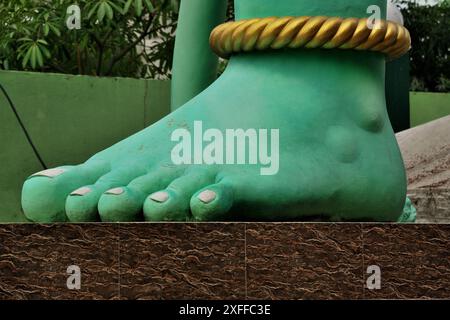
(295, 128)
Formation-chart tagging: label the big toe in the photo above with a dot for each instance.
(44, 193)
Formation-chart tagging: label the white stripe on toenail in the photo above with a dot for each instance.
(49, 173)
(160, 196)
(207, 196)
(115, 191)
(81, 191)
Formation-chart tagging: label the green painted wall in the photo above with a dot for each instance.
(69, 118)
(427, 106)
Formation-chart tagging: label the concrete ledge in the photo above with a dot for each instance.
(224, 261)
(432, 204)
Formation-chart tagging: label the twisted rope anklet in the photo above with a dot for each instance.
(232, 37)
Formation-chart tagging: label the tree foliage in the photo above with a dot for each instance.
(128, 38)
(135, 38)
(429, 26)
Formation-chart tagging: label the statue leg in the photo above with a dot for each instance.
(194, 64)
(322, 140)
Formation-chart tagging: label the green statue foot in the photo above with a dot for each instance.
(325, 148)
(409, 214)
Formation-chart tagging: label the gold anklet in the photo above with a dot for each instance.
(232, 37)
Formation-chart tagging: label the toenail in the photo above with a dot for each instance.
(115, 191)
(160, 196)
(49, 173)
(207, 196)
(81, 191)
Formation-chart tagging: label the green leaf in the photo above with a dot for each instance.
(101, 11)
(45, 51)
(138, 7)
(55, 30)
(109, 11)
(33, 57)
(116, 7)
(26, 58)
(23, 47)
(84, 41)
(127, 6)
(46, 29)
(149, 5)
(24, 39)
(93, 9)
(39, 58)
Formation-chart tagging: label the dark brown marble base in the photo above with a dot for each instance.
(225, 261)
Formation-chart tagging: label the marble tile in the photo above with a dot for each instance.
(224, 261)
(34, 260)
(182, 261)
(304, 261)
(414, 260)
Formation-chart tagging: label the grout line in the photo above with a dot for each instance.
(363, 262)
(118, 258)
(245, 259)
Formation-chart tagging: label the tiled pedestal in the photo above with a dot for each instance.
(224, 261)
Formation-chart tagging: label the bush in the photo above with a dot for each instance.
(429, 27)
(127, 38)
(135, 38)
